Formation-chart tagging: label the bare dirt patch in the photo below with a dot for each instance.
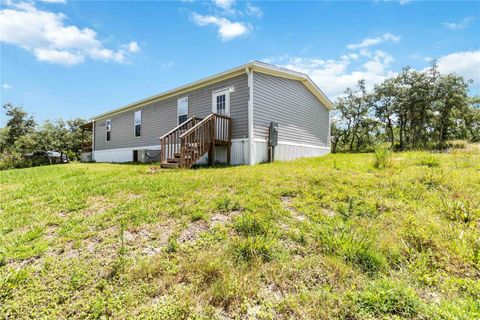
(328, 212)
(223, 219)
(50, 231)
(287, 205)
(149, 239)
(96, 205)
(192, 232)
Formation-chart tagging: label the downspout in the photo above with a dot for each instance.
(329, 138)
(251, 139)
(93, 140)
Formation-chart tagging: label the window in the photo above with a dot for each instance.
(138, 123)
(182, 107)
(108, 128)
(221, 101)
(221, 104)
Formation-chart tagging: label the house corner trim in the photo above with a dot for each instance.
(251, 138)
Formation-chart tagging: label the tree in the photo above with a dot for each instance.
(451, 102)
(18, 124)
(414, 109)
(353, 109)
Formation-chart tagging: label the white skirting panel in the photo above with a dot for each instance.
(238, 155)
(288, 151)
(113, 155)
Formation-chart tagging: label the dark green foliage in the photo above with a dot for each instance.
(21, 135)
(413, 110)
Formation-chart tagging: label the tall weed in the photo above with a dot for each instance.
(383, 157)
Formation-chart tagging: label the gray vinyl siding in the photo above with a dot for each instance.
(160, 117)
(301, 117)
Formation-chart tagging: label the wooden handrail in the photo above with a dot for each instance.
(202, 137)
(186, 144)
(195, 127)
(169, 142)
(179, 127)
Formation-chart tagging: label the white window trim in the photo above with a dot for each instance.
(108, 130)
(135, 136)
(216, 93)
(178, 113)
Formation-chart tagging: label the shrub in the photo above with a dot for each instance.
(387, 297)
(457, 144)
(13, 160)
(383, 157)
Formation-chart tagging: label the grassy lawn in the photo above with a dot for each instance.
(329, 237)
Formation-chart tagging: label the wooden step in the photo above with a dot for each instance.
(169, 165)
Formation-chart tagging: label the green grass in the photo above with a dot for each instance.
(327, 238)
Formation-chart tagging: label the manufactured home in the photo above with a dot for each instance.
(231, 117)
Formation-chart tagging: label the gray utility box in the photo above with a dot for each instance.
(272, 140)
(273, 134)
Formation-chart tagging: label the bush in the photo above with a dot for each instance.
(457, 144)
(387, 297)
(383, 157)
(12, 160)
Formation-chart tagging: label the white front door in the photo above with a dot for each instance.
(221, 102)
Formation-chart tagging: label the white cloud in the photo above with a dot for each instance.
(45, 35)
(404, 2)
(224, 4)
(227, 30)
(462, 24)
(333, 76)
(253, 10)
(54, 1)
(6, 86)
(466, 64)
(133, 47)
(374, 41)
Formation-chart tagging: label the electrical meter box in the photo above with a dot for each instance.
(273, 134)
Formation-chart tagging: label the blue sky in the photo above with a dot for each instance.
(80, 58)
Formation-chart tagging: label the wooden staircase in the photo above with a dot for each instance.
(184, 145)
